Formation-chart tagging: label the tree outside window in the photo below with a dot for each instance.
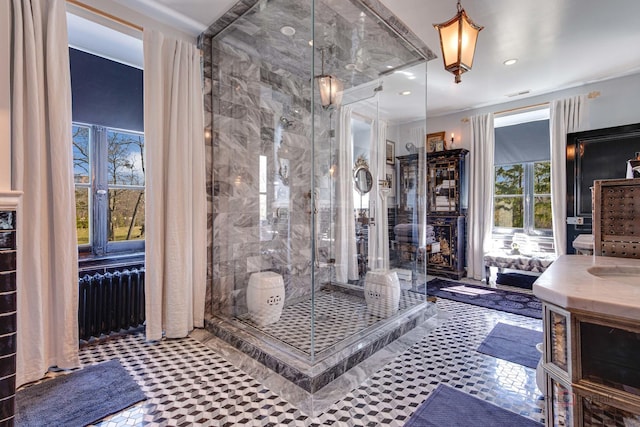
(125, 157)
(109, 179)
(522, 197)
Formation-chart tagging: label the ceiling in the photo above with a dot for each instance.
(558, 43)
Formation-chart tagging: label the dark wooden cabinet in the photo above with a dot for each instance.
(446, 184)
(450, 233)
(405, 230)
(446, 193)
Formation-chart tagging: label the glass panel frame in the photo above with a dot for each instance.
(272, 109)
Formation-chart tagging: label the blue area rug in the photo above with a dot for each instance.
(79, 398)
(511, 302)
(513, 343)
(448, 407)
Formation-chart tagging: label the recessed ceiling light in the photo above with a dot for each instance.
(389, 66)
(288, 31)
(310, 42)
(409, 74)
(510, 61)
(350, 67)
(405, 92)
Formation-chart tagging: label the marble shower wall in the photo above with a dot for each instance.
(254, 76)
(250, 96)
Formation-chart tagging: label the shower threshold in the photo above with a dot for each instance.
(345, 334)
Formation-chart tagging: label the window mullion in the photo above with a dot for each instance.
(528, 191)
(100, 189)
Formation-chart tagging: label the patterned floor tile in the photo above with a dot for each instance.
(188, 383)
(341, 315)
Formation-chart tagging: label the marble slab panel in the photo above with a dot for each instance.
(568, 283)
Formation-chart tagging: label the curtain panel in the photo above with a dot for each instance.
(42, 168)
(480, 193)
(175, 187)
(346, 254)
(566, 116)
(378, 231)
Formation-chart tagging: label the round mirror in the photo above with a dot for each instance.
(363, 179)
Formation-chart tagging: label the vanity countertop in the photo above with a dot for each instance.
(596, 284)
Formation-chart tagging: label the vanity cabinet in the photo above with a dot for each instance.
(446, 190)
(591, 368)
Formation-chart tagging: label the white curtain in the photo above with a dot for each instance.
(566, 116)
(42, 167)
(175, 210)
(346, 255)
(480, 220)
(379, 231)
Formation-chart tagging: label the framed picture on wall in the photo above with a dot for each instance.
(389, 173)
(391, 152)
(435, 142)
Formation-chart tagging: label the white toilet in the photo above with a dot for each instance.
(382, 292)
(265, 297)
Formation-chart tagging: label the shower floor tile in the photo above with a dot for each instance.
(188, 383)
(338, 316)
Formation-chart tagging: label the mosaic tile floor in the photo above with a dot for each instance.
(339, 316)
(188, 383)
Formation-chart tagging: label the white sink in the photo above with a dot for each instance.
(624, 274)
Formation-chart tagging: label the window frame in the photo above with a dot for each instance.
(99, 186)
(528, 199)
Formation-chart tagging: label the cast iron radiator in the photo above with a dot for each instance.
(110, 302)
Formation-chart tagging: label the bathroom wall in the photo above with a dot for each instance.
(618, 103)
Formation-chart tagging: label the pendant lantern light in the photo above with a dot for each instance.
(458, 37)
(330, 87)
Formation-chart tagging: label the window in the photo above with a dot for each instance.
(108, 150)
(109, 187)
(522, 188)
(522, 198)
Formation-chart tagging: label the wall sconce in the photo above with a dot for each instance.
(330, 87)
(452, 138)
(458, 37)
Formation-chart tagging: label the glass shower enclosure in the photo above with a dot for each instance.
(306, 117)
